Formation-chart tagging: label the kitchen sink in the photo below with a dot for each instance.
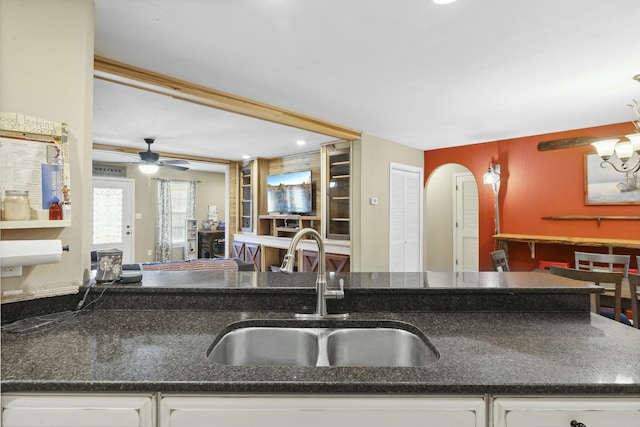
(268, 346)
(360, 344)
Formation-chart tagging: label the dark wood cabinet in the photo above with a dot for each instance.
(249, 252)
(335, 262)
(210, 243)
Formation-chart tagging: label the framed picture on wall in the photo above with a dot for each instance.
(603, 185)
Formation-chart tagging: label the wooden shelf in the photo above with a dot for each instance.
(593, 217)
(531, 240)
(42, 223)
(275, 225)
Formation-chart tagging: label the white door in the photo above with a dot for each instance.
(405, 228)
(113, 216)
(465, 239)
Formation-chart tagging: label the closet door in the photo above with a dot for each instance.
(405, 216)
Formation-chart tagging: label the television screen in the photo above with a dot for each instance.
(289, 193)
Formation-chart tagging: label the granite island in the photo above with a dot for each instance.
(497, 334)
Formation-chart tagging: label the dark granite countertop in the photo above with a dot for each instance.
(552, 347)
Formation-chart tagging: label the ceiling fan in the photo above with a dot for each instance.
(152, 160)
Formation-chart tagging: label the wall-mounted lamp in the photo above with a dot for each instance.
(148, 168)
(492, 177)
(622, 154)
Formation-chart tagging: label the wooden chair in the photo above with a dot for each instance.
(634, 294)
(600, 278)
(499, 260)
(603, 262)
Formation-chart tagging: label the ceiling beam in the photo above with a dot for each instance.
(127, 150)
(118, 72)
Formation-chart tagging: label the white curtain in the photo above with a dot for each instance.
(191, 199)
(163, 223)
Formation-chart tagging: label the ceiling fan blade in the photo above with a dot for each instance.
(570, 143)
(175, 162)
(172, 166)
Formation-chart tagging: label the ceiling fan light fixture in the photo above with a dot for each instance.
(148, 169)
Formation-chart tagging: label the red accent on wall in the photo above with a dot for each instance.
(536, 184)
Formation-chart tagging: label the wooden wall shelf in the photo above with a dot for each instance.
(593, 217)
(531, 240)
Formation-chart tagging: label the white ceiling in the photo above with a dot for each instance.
(409, 71)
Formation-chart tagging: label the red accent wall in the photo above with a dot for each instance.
(536, 184)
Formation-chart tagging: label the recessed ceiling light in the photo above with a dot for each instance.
(301, 142)
(443, 1)
(246, 156)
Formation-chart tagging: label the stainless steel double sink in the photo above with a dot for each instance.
(360, 343)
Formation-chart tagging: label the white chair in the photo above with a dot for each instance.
(603, 262)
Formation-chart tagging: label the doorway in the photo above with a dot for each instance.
(112, 223)
(441, 212)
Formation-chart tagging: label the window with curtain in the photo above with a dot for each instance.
(179, 203)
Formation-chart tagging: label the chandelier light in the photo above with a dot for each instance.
(622, 154)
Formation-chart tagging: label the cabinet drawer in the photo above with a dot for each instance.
(73, 410)
(268, 411)
(560, 412)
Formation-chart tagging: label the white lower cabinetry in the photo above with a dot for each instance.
(320, 411)
(78, 410)
(561, 412)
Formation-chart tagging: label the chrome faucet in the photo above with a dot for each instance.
(321, 281)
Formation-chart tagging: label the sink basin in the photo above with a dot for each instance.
(266, 346)
(378, 347)
(363, 344)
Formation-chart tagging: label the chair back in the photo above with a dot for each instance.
(499, 260)
(634, 295)
(603, 262)
(604, 279)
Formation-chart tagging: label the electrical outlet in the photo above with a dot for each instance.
(12, 271)
(149, 252)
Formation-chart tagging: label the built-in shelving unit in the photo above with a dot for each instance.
(287, 225)
(338, 202)
(191, 243)
(246, 200)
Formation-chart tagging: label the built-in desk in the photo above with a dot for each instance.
(531, 240)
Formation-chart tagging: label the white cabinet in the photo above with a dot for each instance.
(561, 412)
(78, 410)
(320, 411)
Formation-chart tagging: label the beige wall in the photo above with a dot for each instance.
(46, 52)
(209, 191)
(372, 157)
(438, 218)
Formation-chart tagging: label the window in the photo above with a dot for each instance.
(178, 212)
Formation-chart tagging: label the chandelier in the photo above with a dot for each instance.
(622, 154)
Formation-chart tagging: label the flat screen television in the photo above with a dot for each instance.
(289, 193)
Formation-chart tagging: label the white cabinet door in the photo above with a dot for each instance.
(320, 411)
(560, 412)
(75, 410)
